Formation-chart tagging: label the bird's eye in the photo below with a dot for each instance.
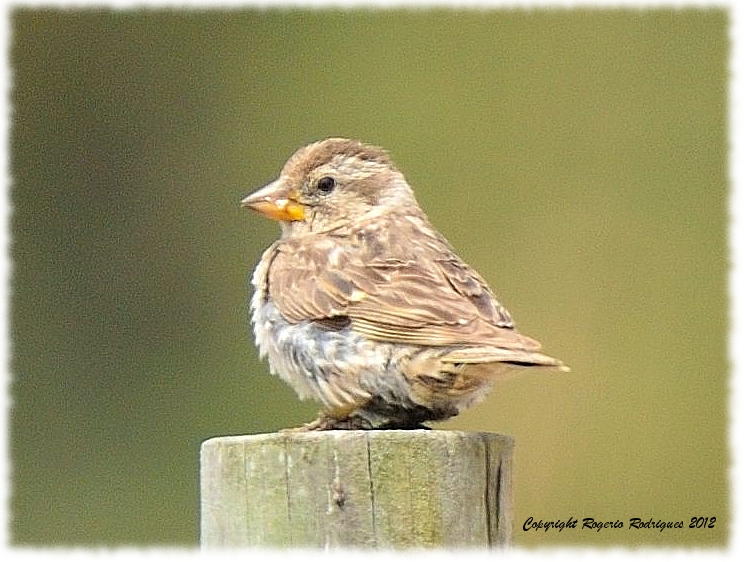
(326, 184)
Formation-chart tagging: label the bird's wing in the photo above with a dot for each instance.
(418, 293)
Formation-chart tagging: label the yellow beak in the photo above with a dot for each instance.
(276, 202)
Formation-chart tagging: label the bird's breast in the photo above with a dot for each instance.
(331, 364)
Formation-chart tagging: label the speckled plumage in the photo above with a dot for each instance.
(363, 305)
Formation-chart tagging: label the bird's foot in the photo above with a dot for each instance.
(327, 422)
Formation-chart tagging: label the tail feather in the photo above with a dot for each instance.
(522, 358)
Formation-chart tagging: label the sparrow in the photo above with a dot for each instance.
(362, 305)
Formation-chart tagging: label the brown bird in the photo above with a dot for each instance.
(364, 306)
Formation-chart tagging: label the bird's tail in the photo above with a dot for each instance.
(516, 357)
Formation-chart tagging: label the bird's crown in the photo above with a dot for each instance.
(344, 154)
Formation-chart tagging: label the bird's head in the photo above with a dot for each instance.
(331, 184)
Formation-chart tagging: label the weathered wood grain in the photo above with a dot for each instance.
(357, 489)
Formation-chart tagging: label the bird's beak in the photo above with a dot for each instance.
(276, 201)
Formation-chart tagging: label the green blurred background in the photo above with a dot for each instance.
(576, 158)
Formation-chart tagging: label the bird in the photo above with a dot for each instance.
(362, 305)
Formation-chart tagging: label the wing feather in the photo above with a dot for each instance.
(418, 292)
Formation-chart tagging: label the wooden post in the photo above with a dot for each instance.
(379, 489)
